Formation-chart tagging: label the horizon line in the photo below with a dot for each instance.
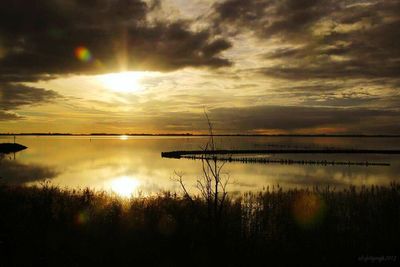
(191, 134)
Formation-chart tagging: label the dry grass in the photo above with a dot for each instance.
(51, 226)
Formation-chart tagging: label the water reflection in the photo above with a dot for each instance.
(15, 172)
(123, 137)
(134, 164)
(124, 186)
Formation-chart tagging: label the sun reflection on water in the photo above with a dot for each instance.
(124, 186)
(123, 137)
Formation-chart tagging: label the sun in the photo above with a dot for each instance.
(125, 82)
(124, 186)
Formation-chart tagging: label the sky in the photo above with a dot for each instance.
(255, 66)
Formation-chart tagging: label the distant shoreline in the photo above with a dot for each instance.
(217, 135)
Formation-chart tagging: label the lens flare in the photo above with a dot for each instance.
(83, 54)
(82, 217)
(308, 209)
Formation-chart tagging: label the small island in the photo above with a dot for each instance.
(11, 147)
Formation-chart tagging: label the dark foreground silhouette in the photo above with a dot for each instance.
(48, 226)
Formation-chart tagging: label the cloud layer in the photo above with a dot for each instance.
(258, 66)
(40, 38)
(13, 96)
(323, 39)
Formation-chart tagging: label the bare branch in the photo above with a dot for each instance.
(179, 179)
(212, 185)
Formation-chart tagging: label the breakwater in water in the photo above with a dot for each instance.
(254, 160)
(227, 156)
(179, 153)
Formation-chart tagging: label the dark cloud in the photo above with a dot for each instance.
(13, 96)
(269, 119)
(294, 118)
(38, 38)
(273, 17)
(322, 39)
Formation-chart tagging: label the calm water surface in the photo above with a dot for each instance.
(133, 165)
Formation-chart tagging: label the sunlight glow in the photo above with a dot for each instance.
(124, 186)
(126, 82)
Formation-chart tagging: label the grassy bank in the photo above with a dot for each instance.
(49, 226)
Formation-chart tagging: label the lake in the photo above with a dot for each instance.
(133, 165)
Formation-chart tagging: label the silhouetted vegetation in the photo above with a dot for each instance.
(212, 184)
(50, 226)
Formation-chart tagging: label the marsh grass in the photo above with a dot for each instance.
(51, 226)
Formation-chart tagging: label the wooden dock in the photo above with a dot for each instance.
(178, 154)
(227, 156)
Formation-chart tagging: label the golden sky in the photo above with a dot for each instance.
(256, 66)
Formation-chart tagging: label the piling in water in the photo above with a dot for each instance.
(254, 160)
(179, 154)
